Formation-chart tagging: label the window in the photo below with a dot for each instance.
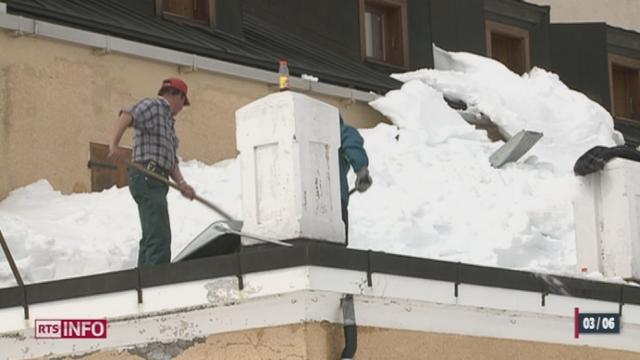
(104, 173)
(384, 31)
(509, 45)
(373, 33)
(624, 87)
(191, 10)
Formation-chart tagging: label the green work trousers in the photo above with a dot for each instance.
(151, 197)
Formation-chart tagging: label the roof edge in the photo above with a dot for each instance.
(315, 253)
(185, 61)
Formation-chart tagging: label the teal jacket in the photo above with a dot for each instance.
(351, 154)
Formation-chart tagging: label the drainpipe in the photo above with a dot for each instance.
(350, 328)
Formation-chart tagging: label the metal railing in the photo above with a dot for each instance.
(16, 274)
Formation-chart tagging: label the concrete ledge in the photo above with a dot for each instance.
(306, 294)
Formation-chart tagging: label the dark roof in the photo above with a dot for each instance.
(315, 60)
(313, 253)
(262, 46)
(630, 130)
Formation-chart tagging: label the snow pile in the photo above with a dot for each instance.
(53, 236)
(539, 101)
(434, 193)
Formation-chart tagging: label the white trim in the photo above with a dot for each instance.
(107, 44)
(308, 293)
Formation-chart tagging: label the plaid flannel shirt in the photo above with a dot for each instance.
(154, 132)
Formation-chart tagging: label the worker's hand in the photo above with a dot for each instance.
(363, 179)
(187, 191)
(116, 153)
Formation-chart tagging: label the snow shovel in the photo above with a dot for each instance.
(225, 227)
(514, 148)
(221, 227)
(213, 242)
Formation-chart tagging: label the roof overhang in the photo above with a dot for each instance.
(272, 286)
(185, 61)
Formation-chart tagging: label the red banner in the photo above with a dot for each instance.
(71, 329)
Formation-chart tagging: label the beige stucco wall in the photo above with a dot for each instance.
(57, 97)
(620, 13)
(324, 341)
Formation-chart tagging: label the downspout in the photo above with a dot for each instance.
(350, 328)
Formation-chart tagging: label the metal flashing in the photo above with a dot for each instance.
(413, 267)
(313, 253)
(81, 286)
(499, 277)
(10, 297)
(198, 269)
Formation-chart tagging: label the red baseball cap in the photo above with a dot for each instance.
(177, 84)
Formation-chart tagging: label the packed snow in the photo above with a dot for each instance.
(434, 193)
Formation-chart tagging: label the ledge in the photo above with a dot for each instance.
(311, 253)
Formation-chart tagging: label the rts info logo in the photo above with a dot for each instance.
(71, 329)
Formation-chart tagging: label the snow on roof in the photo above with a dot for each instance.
(434, 192)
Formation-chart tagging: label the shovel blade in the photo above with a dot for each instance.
(215, 239)
(514, 148)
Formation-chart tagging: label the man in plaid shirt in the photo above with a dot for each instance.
(154, 146)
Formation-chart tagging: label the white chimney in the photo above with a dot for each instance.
(288, 145)
(607, 210)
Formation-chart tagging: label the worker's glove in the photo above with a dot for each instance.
(363, 179)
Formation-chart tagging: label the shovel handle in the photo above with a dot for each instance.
(201, 200)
